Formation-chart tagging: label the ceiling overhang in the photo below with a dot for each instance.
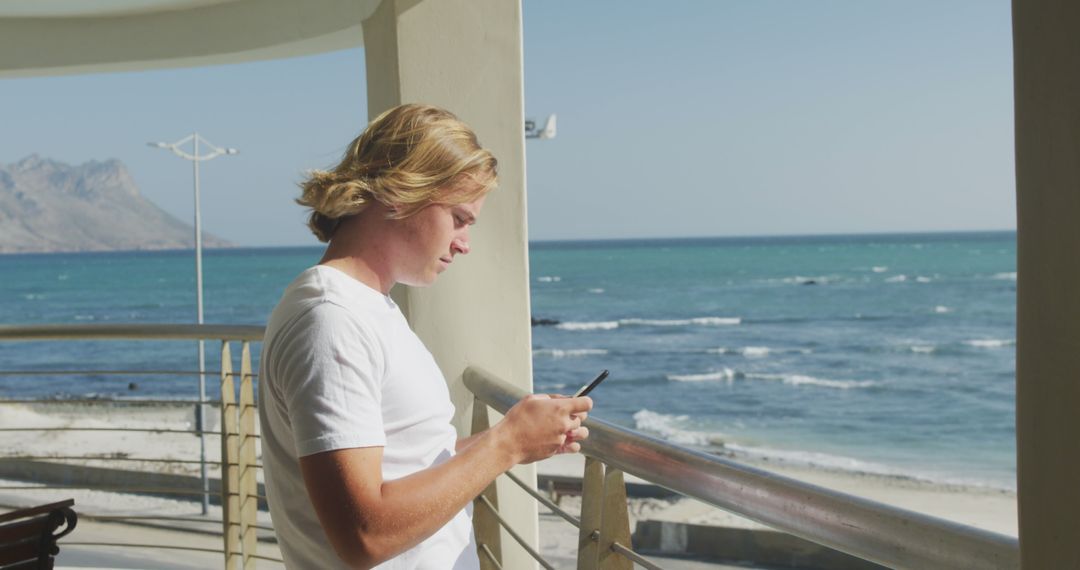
(57, 37)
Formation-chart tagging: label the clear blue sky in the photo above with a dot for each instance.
(717, 118)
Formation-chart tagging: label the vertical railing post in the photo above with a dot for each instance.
(249, 487)
(485, 525)
(614, 522)
(592, 504)
(230, 438)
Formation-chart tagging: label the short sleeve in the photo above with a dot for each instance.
(331, 371)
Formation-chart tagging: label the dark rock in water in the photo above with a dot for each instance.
(133, 386)
(809, 282)
(543, 322)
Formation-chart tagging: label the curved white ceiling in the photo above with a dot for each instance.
(57, 37)
(96, 8)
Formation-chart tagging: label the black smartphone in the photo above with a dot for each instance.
(589, 387)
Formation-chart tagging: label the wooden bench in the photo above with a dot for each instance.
(28, 536)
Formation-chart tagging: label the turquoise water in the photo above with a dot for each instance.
(880, 354)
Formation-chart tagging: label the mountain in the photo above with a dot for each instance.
(48, 206)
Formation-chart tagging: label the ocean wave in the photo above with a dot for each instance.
(923, 348)
(609, 325)
(879, 268)
(942, 309)
(549, 279)
(668, 427)
(556, 386)
(588, 326)
(923, 279)
(703, 321)
(1008, 276)
(990, 342)
(596, 290)
(814, 459)
(804, 380)
(758, 351)
(896, 278)
(730, 375)
(726, 374)
(568, 352)
(804, 280)
(839, 463)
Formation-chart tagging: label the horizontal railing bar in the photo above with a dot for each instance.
(544, 500)
(513, 534)
(132, 490)
(635, 557)
(83, 515)
(67, 543)
(101, 458)
(110, 401)
(142, 430)
(131, 331)
(118, 373)
(880, 533)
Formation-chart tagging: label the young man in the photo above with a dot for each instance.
(363, 467)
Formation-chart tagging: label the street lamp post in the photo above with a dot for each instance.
(195, 159)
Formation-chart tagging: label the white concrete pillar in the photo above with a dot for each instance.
(466, 56)
(1046, 43)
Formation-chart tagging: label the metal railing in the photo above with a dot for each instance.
(872, 531)
(238, 492)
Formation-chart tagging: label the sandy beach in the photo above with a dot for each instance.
(985, 508)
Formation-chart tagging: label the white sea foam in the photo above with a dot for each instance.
(588, 326)
(727, 374)
(84, 317)
(942, 309)
(923, 349)
(804, 380)
(596, 290)
(558, 386)
(609, 325)
(758, 351)
(801, 279)
(814, 459)
(1011, 276)
(549, 279)
(922, 279)
(568, 352)
(33, 296)
(990, 342)
(880, 268)
(669, 427)
(703, 321)
(896, 279)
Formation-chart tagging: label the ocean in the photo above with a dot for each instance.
(889, 355)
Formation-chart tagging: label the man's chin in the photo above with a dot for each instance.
(420, 281)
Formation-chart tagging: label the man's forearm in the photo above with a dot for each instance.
(401, 513)
(464, 442)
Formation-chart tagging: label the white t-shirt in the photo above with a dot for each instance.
(341, 368)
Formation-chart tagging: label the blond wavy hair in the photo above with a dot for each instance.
(407, 158)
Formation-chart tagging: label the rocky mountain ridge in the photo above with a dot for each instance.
(50, 206)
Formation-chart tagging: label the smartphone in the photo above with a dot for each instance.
(589, 387)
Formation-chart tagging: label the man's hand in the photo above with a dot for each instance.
(542, 425)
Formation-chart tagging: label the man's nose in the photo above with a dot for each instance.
(460, 245)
